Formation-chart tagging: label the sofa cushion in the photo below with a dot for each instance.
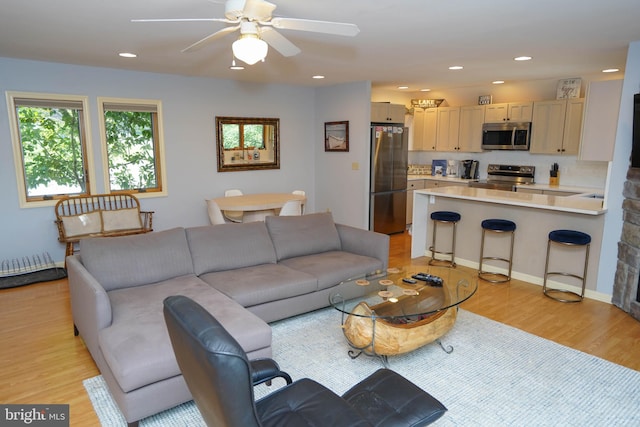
(261, 283)
(295, 236)
(331, 268)
(229, 246)
(122, 262)
(137, 346)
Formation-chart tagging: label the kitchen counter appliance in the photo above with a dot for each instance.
(469, 169)
(506, 136)
(505, 177)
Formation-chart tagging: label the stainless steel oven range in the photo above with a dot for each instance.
(505, 177)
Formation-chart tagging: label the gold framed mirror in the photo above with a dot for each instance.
(247, 143)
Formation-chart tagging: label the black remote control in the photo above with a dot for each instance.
(410, 280)
(431, 280)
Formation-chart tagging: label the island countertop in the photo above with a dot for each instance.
(573, 204)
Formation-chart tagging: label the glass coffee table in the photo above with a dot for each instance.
(402, 310)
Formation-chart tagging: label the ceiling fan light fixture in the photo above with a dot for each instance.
(249, 48)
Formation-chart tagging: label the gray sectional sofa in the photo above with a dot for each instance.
(245, 274)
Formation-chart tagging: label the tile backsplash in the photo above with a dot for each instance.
(419, 169)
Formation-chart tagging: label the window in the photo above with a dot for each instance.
(132, 145)
(50, 147)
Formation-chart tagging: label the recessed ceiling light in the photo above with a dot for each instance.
(610, 70)
(128, 55)
(497, 82)
(456, 67)
(318, 77)
(403, 87)
(425, 90)
(522, 58)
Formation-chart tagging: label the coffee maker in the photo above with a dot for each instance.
(469, 169)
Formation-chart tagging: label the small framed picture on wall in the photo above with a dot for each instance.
(336, 136)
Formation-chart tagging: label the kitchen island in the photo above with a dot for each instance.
(535, 216)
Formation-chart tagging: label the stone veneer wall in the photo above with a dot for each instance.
(626, 287)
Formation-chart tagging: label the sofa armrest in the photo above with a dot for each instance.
(90, 304)
(364, 242)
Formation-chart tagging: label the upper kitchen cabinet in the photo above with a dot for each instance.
(470, 134)
(424, 128)
(448, 129)
(556, 126)
(385, 112)
(513, 112)
(600, 120)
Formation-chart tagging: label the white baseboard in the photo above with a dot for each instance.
(594, 295)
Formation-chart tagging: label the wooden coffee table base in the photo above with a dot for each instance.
(375, 336)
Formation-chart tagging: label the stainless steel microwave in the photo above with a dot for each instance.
(506, 136)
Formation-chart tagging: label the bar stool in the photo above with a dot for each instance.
(444, 217)
(567, 238)
(496, 226)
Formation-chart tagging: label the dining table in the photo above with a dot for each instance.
(257, 206)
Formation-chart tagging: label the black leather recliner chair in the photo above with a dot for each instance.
(221, 380)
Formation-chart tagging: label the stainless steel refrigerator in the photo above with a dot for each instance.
(388, 188)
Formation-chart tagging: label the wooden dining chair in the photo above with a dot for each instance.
(300, 193)
(291, 208)
(215, 214)
(235, 216)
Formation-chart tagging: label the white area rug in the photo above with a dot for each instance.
(496, 376)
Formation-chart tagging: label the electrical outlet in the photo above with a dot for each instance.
(355, 166)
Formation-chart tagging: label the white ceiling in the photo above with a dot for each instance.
(401, 42)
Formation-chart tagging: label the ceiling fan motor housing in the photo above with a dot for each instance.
(251, 10)
(233, 9)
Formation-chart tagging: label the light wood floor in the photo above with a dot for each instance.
(42, 362)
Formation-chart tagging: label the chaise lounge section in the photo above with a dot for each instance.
(244, 274)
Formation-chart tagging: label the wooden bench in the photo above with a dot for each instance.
(100, 215)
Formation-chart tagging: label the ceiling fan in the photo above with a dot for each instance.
(254, 19)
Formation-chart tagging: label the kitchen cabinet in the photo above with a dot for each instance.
(556, 126)
(414, 184)
(385, 112)
(600, 121)
(448, 128)
(512, 111)
(547, 192)
(424, 129)
(521, 189)
(419, 184)
(470, 133)
(439, 183)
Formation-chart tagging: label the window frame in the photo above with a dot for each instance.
(159, 151)
(85, 128)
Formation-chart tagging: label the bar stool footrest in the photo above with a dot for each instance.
(550, 292)
(492, 277)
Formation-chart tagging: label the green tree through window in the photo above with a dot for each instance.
(132, 145)
(52, 145)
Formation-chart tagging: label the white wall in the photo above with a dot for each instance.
(619, 167)
(342, 184)
(190, 106)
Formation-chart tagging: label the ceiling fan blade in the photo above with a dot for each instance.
(227, 21)
(278, 42)
(337, 28)
(211, 37)
(258, 10)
